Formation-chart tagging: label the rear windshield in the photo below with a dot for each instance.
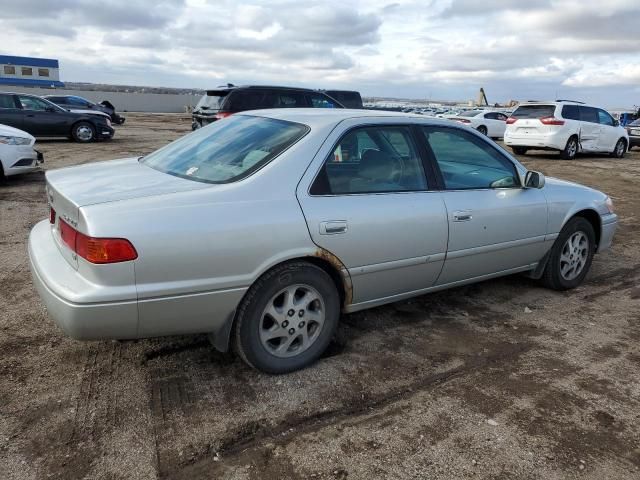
(211, 102)
(227, 150)
(471, 113)
(534, 111)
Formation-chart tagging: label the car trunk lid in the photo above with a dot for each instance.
(69, 189)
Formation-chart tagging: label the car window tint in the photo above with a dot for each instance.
(604, 118)
(321, 101)
(6, 101)
(502, 116)
(291, 100)
(589, 114)
(491, 115)
(372, 160)
(228, 150)
(32, 103)
(467, 162)
(534, 111)
(571, 112)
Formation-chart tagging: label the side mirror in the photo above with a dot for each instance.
(533, 180)
(616, 123)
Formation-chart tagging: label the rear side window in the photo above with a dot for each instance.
(467, 162)
(226, 151)
(571, 112)
(589, 114)
(534, 111)
(6, 101)
(372, 160)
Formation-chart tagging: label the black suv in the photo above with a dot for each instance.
(348, 98)
(42, 118)
(225, 101)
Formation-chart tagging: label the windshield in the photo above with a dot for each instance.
(226, 150)
(211, 102)
(534, 111)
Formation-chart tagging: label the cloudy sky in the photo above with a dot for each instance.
(441, 49)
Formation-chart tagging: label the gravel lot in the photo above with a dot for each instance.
(502, 379)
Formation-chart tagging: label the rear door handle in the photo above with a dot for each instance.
(462, 216)
(333, 227)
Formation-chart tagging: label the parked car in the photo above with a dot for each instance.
(225, 101)
(487, 122)
(346, 98)
(633, 130)
(566, 126)
(42, 118)
(75, 103)
(260, 229)
(17, 154)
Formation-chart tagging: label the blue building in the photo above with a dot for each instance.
(29, 72)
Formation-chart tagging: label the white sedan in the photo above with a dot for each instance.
(492, 124)
(17, 154)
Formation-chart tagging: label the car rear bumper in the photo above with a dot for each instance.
(71, 299)
(608, 229)
(554, 141)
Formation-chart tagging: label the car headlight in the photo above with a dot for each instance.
(609, 204)
(14, 140)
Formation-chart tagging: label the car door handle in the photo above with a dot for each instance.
(462, 216)
(333, 227)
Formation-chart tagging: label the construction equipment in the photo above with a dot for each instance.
(482, 99)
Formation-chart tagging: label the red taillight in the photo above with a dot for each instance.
(221, 115)
(462, 120)
(97, 250)
(551, 121)
(511, 120)
(52, 216)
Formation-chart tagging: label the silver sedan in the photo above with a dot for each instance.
(262, 228)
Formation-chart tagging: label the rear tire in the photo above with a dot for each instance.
(83, 132)
(482, 129)
(519, 150)
(571, 255)
(571, 149)
(287, 318)
(620, 149)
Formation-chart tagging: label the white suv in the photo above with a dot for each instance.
(566, 126)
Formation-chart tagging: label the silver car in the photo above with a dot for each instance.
(262, 228)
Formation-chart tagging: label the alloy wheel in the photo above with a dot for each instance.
(292, 321)
(573, 257)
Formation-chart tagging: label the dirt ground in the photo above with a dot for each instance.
(499, 380)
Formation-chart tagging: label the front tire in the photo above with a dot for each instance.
(83, 132)
(287, 318)
(570, 150)
(571, 255)
(620, 149)
(519, 150)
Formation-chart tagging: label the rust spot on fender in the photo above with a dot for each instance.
(339, 266)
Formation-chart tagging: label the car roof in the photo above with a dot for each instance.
(229, 88)
(319, 117)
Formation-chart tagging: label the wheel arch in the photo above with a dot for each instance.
(593, 218)
(320, 258)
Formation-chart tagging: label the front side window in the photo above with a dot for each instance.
(467, 162)
(228, 150)
(321, 101)
(9, 70)
(604, 118)
(372, 160)
(32, 103)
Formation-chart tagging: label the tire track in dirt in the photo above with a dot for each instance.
(249, 439)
